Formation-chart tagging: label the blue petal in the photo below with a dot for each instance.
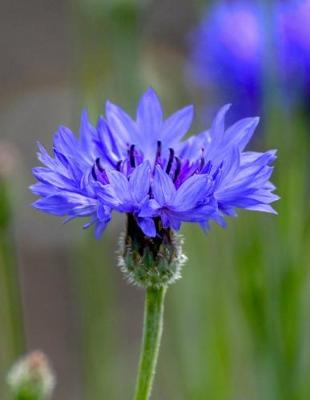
(241, 132)
(44, 189)
(103, 213)
(148, 226)
(192, 146)
(45, 158)
(149, 118)
(263, 208)
(87, 134)
(110, 145)
(55, 205)
(100, 227)
(52, 177)
(192, 214)
(65, 141)
(121, 124)
(108, 196)
(175, 224)
(177, 125)
(191, 191)
(149, 209)
(139, 182)
(120, 185)
(163, 187)
(218, 126)
(66, 203)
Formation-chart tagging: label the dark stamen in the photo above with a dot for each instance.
(217, 171)
(170, 161)
(177, 170)
(93, 172)
(208, 167)
(118, 165)
(158, 153)
(202, 163)
(132, 156)
(99, 165)
(202, 160)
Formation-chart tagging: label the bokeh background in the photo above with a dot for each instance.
(237, 325)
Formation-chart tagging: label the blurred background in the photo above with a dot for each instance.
(237, 325)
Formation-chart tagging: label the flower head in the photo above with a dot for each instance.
(144, 168)
(226, 53)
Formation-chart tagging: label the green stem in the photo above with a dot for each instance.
(152, 331)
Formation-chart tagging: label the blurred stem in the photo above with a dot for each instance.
(11, 343)
(152, 332)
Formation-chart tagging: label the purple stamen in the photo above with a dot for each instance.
(202, 164)
(177, 170)
(208, 167)
(118, 165)
(170, 161)
(202, 159)
(99, 165)
(214, 176)
(132, 156)
(93, 172)
(158, 152)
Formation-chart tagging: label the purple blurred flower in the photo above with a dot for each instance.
(294, 45)
(226, 54)
(141, 167)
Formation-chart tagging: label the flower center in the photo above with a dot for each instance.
(178, 169)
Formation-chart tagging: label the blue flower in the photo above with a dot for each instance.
(144, 168)
(226, 54)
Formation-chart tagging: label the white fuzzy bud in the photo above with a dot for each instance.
(31, 377)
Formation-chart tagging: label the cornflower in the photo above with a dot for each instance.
(146, 169)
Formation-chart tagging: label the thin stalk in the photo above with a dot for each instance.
(152, 331)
